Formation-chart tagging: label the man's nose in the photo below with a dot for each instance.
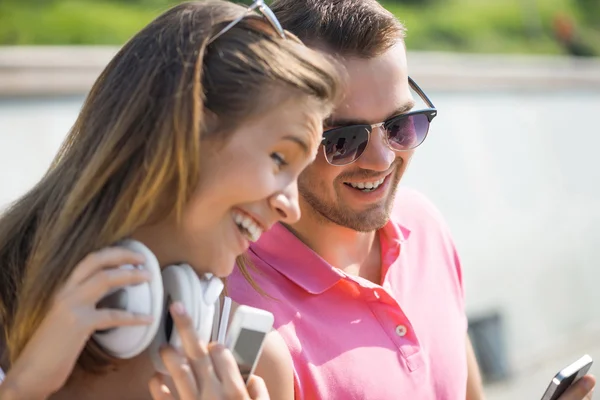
(377, 156)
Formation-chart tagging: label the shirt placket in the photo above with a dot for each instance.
(397, 326)
(391, 318)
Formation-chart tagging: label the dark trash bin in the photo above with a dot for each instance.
(487, 336)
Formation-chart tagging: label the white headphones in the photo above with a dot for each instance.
(199, 296)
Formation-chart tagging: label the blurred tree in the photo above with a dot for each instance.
(565, 32)
(27, 2)
(416, 2)
(590, 10)
(145, 3)
(531, 18)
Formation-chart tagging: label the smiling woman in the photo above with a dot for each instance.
(190, 141)
(233, 203)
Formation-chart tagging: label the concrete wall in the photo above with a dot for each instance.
(56, 70)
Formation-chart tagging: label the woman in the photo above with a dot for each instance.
(204, 117)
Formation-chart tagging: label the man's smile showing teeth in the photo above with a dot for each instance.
(366, 186)
(247, 226)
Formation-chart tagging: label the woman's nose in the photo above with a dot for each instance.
(285, 203)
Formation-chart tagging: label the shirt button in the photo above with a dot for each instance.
(401, 330)
(376, 294)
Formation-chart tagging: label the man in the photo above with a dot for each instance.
(366, 288)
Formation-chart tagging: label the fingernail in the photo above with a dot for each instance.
(186, 367)
(178, 308)
(588, 385)
(164, 388)
(202, 345)
(147, 274)
(148, 318)
(216, 347)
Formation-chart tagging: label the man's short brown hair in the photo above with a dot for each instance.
(359, 28)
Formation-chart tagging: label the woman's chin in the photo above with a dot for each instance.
(225, 271)
(220, 268)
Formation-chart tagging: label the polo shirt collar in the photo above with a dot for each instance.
(288, 255)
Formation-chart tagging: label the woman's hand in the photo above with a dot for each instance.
(50, 355)
(202, 373)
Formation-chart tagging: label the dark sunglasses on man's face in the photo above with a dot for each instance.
(346, 144)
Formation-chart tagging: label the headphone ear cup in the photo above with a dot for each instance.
(181, 283)
(211, 288)
(178, 286)
(193, 305)
(146, 298)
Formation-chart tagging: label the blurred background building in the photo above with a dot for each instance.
(509, 161)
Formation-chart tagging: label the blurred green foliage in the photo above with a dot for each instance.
(503, 26)
(591, 12)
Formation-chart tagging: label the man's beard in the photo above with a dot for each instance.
(367, 220)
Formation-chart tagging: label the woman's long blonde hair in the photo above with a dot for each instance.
(133, 155)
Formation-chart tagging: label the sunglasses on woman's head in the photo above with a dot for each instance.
(267, 14)
(344, 145)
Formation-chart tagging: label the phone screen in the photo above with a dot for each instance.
(246, 350)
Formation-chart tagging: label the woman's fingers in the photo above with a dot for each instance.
(257, 389)
(104, 281)
(111, 318)
(158, 389)
(181, 373)
(195, 351)
(109, 257)
(209, 372)
(580, 390)
(226, 369)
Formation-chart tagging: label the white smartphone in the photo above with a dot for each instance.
(567, 377)
(246, 335)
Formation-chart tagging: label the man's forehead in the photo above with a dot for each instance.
(376, 87)
(392, 58)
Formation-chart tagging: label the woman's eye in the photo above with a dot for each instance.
(279, 159)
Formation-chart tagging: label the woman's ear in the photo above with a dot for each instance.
(211, 123)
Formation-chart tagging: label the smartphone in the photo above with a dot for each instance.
(567, 377)
(246, 335)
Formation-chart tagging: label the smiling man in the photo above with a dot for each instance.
(367, 287)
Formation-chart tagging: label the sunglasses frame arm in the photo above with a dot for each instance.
(421, 93)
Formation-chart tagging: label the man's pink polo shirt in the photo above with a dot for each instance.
(353, 339)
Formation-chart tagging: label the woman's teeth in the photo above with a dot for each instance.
(367, 186)
(247, 226)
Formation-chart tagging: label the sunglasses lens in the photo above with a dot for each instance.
(344, 145)
(407, 132)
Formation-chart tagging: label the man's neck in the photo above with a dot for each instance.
(355, 253)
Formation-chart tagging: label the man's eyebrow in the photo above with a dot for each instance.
(330, 122)
(299, 141)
